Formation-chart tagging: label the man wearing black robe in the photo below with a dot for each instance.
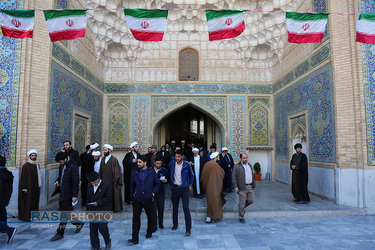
(130, 163)
(87, 166)
(30, 183)
(300, 176)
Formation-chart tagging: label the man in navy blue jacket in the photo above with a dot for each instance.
(6, 189)
(163, 177)
(181, 179)
(144, 185)
(68, 181)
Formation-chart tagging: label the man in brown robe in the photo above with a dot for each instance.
(212, 178)
(110, 172)
(30, 183)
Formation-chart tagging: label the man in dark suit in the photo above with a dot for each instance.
(227, 163)
(165, 156)
(144, 185)
(68, 181)
(87, 165)
(130, 164)
(197, 164)
(72, 153)
(99, 196)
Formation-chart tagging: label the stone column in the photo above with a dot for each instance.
(349, 104)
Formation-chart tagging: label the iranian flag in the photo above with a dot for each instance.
(17, 23)
(224, 24)
(366, 28)
(147, 25)
(306, 27)
(65, 24)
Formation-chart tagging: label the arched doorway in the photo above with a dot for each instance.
(189, 123)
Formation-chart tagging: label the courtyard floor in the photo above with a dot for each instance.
(272, 222)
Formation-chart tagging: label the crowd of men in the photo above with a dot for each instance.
(183, 167)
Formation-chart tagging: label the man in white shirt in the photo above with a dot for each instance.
(243, 183)
(97, 160)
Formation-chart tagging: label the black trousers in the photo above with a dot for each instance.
(94, 236)
(4, 228)
(184, 194)
(66, 206)
(158, 210)
(84, 191)
(137, 210)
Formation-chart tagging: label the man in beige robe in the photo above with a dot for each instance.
(110, 172)
(212, 178)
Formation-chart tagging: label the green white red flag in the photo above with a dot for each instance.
(66, 24)
(147, 25)
(306, 27)
(17, 23)
(366, 28)
(224, 24)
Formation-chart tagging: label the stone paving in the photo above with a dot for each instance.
(273, 222)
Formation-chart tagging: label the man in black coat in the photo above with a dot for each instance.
(130, 164)
(99, 196)
(165, 156)
(6, 189)
(68, 181)
(144, 185)
(227, 163)
(300, 176)
(87, 165)
(72, 153)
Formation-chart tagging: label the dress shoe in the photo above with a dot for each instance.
(57, 237)
(188, 232)
(230, 191)
(131, 241)
(149, 235)
(302, 202)
(78, 229)
(295, 200)
(161, 227)
(174, 228)
(242, 220)
(108, 246)
(11, 234)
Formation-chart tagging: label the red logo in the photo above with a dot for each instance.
(16, 23)
(306, 26)
(69, 22)
(229, 21)
(145, 25)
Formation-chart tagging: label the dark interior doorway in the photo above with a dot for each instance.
(189, 124)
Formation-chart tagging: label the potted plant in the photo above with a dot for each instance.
(257, 175)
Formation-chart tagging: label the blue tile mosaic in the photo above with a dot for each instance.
(237, 121)
(140, 121)
(315, 95)
(118, 120)
(368, 63)
(63, 56)
(264, 100)
(10, 64)
(213, 105)
(69, 93)
(316, 59)
(187, 88)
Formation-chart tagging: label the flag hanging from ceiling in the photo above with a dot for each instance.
(306, 27)
(224, 24)
(66, 24)
(147, 25)
(366, 28)
(17, 23)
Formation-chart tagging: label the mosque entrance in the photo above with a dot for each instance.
(190, 124)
